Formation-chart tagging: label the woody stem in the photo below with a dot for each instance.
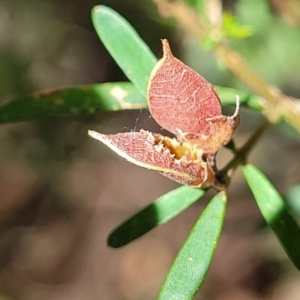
(242, 153)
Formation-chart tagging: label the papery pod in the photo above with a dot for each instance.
(184, 103)
(181, 162)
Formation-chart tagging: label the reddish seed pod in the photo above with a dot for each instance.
(184, 103)
(181, 162)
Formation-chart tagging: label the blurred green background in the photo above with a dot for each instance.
(62, 193)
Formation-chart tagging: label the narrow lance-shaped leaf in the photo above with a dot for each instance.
(124, 44)
(75, 100)
(274, 212)
(194, 258)
(110, 96)
(157, 213)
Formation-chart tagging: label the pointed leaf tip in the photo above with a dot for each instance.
(190, 266)
(96, 8)
(274, 211)
(124, 45)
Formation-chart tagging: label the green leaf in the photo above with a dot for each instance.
(193, 260)
(159, 212)
(228, 97)
(124, 44)
(274, 212)
(109, 96)
(77, 100)
(233, 29)
(293, 199)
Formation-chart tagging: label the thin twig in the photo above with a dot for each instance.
(242, 153)
(222, 178)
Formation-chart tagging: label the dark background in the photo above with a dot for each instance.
(62, 192)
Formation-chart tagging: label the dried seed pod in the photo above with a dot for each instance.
(181, 162)
(184, 103)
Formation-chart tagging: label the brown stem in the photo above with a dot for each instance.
(222, 179)
(289, 10)
(242, 153)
